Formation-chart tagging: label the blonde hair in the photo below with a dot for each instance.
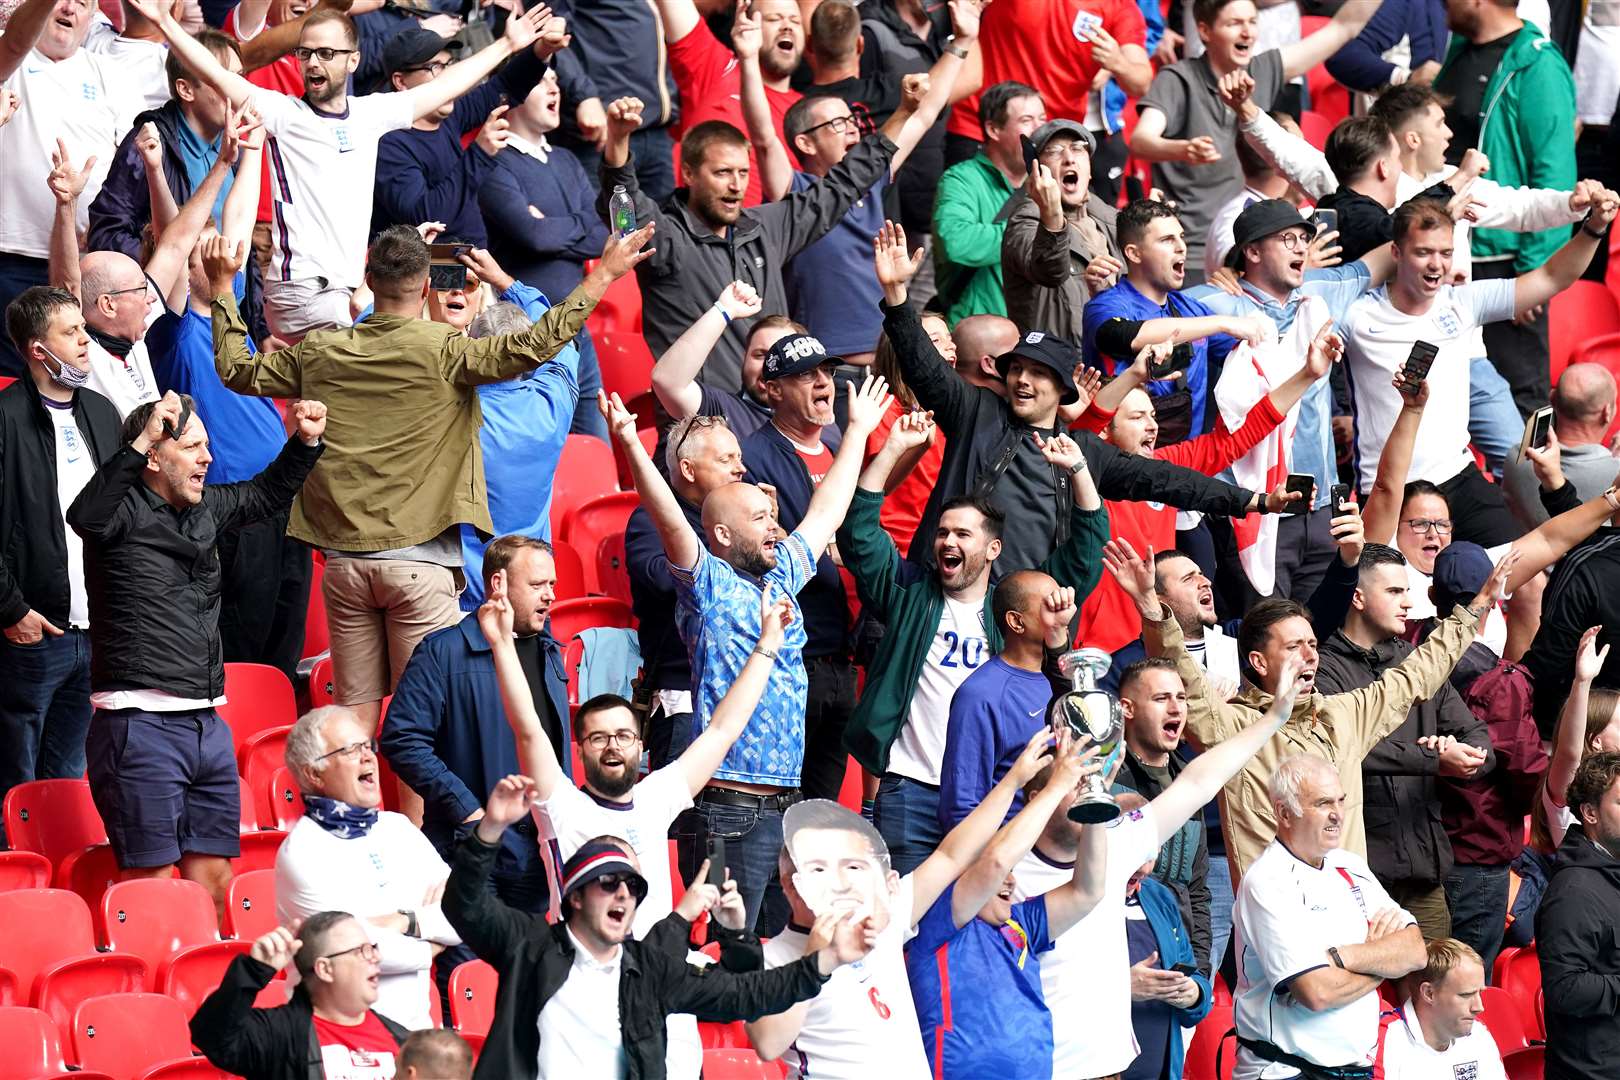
(1445, 956)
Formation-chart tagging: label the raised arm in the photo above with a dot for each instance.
(67, 184)
(674, 377)
(22, 31)
(168, 266)
(262, 46)
(194, 56)
(736, 708)
(1074, 899)
(488, 927)
(771, 157)
(1325, 351)
(536, 756)
(1381, 516)
(827, 506)
(534, 27)
(1287, 153)
(1148, 142)
(680, 18)
(1569, 742)
(1300, 56)
(681, 544)
(1568, 263)
(1553, 538)
(935, 383)
(150, 147)
(924, 96)
(241, 209)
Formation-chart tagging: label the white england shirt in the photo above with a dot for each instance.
(959, 649)
(1408, 1055)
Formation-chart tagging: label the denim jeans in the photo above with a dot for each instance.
(753, 844)
(44, 709)
(1478, 898)
(1494, 422)
(587, 420)
(906, 814)
(18, 273)
(1220, 909)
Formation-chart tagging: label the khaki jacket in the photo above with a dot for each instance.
(402, 461)
(1042, 271)
(1339, 727)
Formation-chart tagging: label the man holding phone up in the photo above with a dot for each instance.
(1420, 324)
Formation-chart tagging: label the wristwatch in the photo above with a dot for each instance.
(1333, 954)
(954, 49)
(411, 927)
(1612, 497)
(1078, 467)
(1594, 235)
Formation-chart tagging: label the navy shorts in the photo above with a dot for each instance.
(165, 784)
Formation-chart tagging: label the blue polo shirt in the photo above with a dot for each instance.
(717, 612)
(1338, 287)
(978, 993)
(831, 286)
(993, 715)
(1124, 302)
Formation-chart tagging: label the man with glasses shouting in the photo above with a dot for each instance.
(338, 968)
(347, 854)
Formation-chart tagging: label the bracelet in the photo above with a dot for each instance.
(954, 49)
(1594, 235)
(760, 650)
(1078, 467)
(724, 314)
(1333, 954)
(411, 927)
(1612, 497)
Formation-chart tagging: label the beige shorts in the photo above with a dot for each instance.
(377, 610)
(294, 308)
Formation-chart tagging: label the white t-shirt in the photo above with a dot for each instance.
(323, 168)
(75, 465)
(1378, 339)
(959, 649)
(1408, 1055)
(1286, 916)
(1597, 63)
(84, 101)
(579, 1025)
(1086, 977)
(142, 64)
(863, 1023)
(126, 381)
(388, 870)
(1559, 818)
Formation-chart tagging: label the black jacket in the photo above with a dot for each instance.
(979, 429)
(1581, 593)
(1183, 863)
(1406, 841)
(533, 961)
(123, 207)
(153, 573)
(33, 538)
(262, 1044)
(1578, 938)
(1364, 222)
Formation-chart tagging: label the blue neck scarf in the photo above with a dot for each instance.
(339, 818)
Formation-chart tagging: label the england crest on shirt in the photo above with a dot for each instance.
(1466, 1071)
(1448, 323)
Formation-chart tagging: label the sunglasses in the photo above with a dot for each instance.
(609, 883)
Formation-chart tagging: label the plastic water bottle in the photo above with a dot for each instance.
(622, 211)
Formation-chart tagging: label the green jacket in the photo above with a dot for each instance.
(402, 461)
(909, 600)
(1528, 134)
(967, 237)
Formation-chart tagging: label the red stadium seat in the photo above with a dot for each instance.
(321, 688)
(191, 974)
(1582, 312)
(24, 870)
(612, 570)
(7, 380)
(8, 989)
(1206, 1045)
(1503, 1018)
(472, 997)
(273, 995)
(1527, 1064)
(257, 759)
(573, 654)
(572, 580)
(723, 1036)
(90, 872)
(247, 814)
(41, 927)
(154, 918)
(584, 471)
(52, 818)
(620, 307)
(317, 636)
(585, 527)
(250, 905)
(258, 697)
(32, 1044)
(740, 1064)
(258, 851)
(570, 617)
(1521, 977)
(853, 789)
(626, 362)
(196, 1068)
(1503, 959)
(286, 802)
(127, 1034)
(64, 985)
(1315, 127)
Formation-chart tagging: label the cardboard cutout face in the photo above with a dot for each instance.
(841, 864)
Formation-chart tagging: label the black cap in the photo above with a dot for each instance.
(1049, 351)
(1053, 128)
(414, 46)
(794, 354)
(1260, 220)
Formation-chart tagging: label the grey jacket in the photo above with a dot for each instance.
(692, 265)
(1041, 270)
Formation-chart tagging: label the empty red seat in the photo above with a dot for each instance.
(38, 928)
(1521, 977)
(570, 617)
(572, 580)
(258, 696)
(626, 362)
(1206, 1044)
(317, 636)
(257, 759)
(247, 812)
(1585, 310)
(620, 307)
(197, 1068)
(740, 1064)
(154, 918)
(585, 526)
(1529, 1063)
(32, 1045)
(472, 997)
(62, 986)
(250, 905)
(258, 851)
(322, 691)
(52, 818)
(90, 872)
(612, 568)
(9, 994)
(584, 471)
(1503, 1018)
(286, 801)
(24, 870)
(191, 974)
(1315, 127)
(127, 1034)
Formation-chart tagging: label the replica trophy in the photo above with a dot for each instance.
(1088, 711)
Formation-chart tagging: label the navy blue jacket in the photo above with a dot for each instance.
(665, 663)
(548, 252)
(1360, 65)
(622, 54)
(771, 459)
(1158, 903)
(427, 176)
(447, 736)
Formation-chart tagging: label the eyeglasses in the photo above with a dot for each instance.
(621, 740)
(693, 425)
(1294, 241)
(609, 883)
(143, 287)
(1438, 526)
(839, 125)
(325, 56)
(436, 68)
(352, 751)
(366, 949)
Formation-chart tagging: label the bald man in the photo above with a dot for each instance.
(998, 708)
(1584, 407)
(979, 339)
(718, 612)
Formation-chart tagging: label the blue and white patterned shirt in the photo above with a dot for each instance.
(717, 613)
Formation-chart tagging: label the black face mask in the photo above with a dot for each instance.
(118, 346)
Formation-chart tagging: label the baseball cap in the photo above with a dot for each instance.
(1460, 571)
(1050, 352)
(1260, 220)
(794, 354)
(597, 860)
(1053, 128)
(414, 46)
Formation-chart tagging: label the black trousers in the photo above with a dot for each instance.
(264, 595)
(1520, 353)
(831, 701)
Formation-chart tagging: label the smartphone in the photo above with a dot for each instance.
(450, 253)
(1418, 362)
(446, 277)
(1188, 970)
(1305, 484)
(1326, 221)
(1030, 155)
(1180, 359)
(173, 428)
(1338, 494)
(1536, 430)
(717, 861)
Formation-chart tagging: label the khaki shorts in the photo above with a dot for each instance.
(294, 308)
(377, 610)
